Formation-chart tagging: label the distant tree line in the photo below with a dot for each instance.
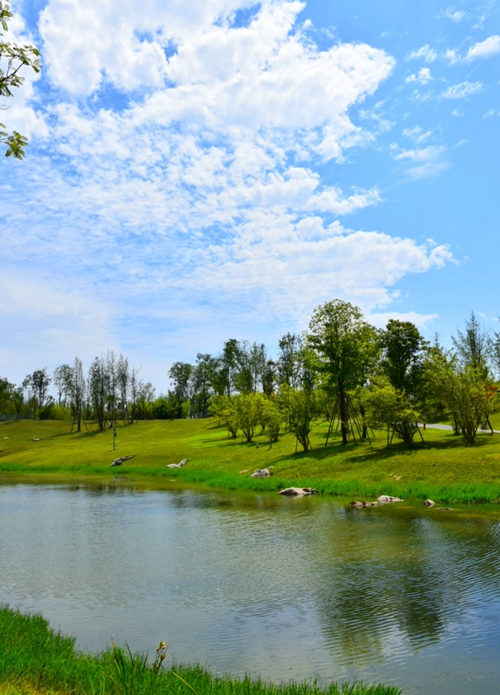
(342, 371)
(111, 391)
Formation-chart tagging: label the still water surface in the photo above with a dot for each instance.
(256, 583)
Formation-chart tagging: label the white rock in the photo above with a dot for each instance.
(261, 473)
(298, 491)
(387, 499)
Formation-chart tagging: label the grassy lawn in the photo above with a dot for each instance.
(443, 468)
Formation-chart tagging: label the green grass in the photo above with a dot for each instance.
(443, 468)
(34, 659)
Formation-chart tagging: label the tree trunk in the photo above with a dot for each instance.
(343, 413)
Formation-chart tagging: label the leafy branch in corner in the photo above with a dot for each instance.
(12, 59)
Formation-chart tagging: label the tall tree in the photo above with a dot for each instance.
(13, 59)
(62, 381)
(5, 394)
(403, 355)
(471, 345)
(37, 385)
(180, 374)
(77, 392)
(202, 377)
(343, 341)
(97, 390)
(290, 360)
(229, 362)
(123, 385)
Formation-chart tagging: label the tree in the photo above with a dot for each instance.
(248, 408)
(494, 351)
(466, 392)
(202, 377)
(229, 362)
(343, 342)
(271, 417)
(302, 409)
(38, 386)
(17, 396)
(13, 59)
(224, 409)
(403, 355)
(77, 392)
(269, 377)
(97, 390)
(145, 398)
(62, 381)
(290, 360)
(180, 373)
(5, 394)
(123, 386)
(471, 345)
(387, 406)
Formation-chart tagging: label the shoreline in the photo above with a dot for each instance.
(442, 468)
(36, 659)
(414, 494)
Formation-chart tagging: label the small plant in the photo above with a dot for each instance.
(133, 675)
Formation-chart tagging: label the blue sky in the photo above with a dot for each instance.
(215, 169)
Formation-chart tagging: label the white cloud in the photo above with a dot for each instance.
(452, 56)
(120, 41)
(424, 162)
(417, 134)
(462, 90)
(380, 320)
(205, 189)
(484, 49)
(454, 15)
(423, 76)
(426, 53)
(423, 155)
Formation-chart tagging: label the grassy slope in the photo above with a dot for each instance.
(33, 659)
(443, 468)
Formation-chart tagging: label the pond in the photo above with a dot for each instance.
(285, 588)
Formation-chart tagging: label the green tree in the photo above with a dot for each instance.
(271, 417)
(290, 363)
(37, 385)
(343, 342)
(180, 374)
(224, 409)
(4, 393)
(467, 393)
(62, 381)
(403, 355)
(97, 390)
(13, 59)
(228, 365)
(389, 407)
(77, 392)
(302, 409)
(248, 408)
(202, 379)
(471, 345)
